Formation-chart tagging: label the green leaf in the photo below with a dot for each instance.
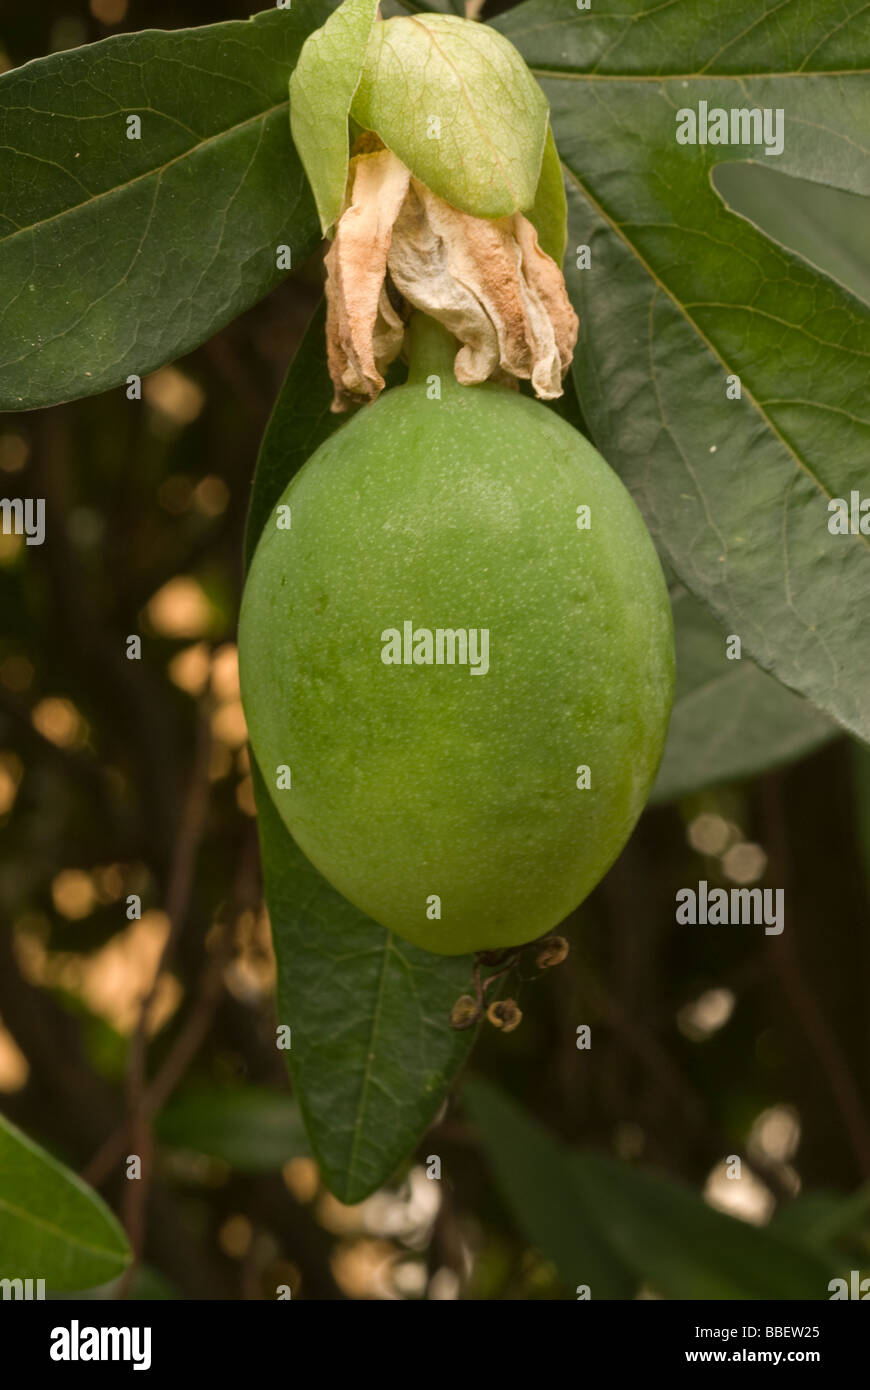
(459, 107)
(321, 90)
(550, 211)
(301, 419)
(683, 293)
(686, 1249)
(821, 1219)
(52, 1226)
(729, 720)
(536, 1178)
(655, 1227)
(372, 1053)
(823, 225)
(252, 1128)
(119, 254)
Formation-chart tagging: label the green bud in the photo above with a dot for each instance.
(457, 104)
(321, 90)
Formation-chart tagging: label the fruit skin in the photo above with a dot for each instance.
(416, 780)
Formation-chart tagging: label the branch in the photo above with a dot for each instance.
(177, 902)
(843, 1088)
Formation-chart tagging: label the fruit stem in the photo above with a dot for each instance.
(431, 350)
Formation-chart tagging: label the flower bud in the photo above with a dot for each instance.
(454, 100)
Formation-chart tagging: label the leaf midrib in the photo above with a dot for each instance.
(702, 336)
(481, 129)
(158, 170)
(28, 1218)
(370, 1053)
(569, 75)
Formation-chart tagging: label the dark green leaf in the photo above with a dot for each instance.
(729, 720)
(682, 293)
(52, 1226)
(301, 419)
(657, 1228)
(685, 1249)
(821, 1219)
(535, 1175)
(250, 1127)
(823, 225)
(119, 254)
(372, 1052)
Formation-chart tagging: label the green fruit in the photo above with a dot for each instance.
(416, 782)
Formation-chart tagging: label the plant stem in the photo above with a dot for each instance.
(431, 350)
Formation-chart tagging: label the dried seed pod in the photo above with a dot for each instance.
(464, 1012)
(505, 1014)
(552, 951)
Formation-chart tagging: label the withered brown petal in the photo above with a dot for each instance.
(545, 279)
(420, 269)
(363, 331)
(486, 280)
(489, 282)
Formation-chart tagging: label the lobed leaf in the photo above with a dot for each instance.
(683, 294)
(730, 719)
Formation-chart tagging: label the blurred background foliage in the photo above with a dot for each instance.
(122, 777)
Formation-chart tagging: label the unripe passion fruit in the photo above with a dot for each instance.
(449, 801)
